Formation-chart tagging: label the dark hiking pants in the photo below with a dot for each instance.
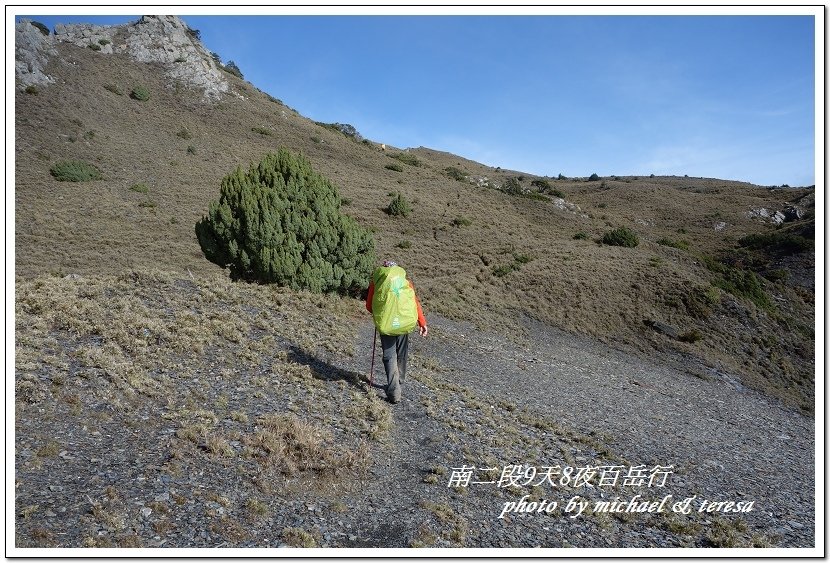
(395, 349)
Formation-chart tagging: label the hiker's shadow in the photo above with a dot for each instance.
(323, 370)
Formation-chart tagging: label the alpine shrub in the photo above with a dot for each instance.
(681, 244)
(406, 158)
(542, 184)
(593, 178)
(140, 93)
(114, 88)
(777, 242)
(455, 173)
(232, 68)
(399, 206)
(622, 236)
(75, 171)
(512, 186)
(344, 128)
(280, 222)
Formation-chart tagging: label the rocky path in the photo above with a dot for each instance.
(725, 442)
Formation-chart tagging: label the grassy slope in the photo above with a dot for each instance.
(103, 227)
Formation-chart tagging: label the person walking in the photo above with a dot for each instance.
(396, 312)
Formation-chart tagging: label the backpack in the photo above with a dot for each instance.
(394, 308)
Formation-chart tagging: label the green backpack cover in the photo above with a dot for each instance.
(393, 304)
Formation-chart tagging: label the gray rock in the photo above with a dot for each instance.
(663, 328)
(32, 50)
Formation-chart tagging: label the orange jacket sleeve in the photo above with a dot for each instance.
(370, 295)
(421, 319)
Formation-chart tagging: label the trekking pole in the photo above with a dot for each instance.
(372, 370)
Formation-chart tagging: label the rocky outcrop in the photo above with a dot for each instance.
(97, 37)
(32, 50)
(152, 39)
(766, 215)
(168, 40)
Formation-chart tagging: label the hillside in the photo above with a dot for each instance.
(695, 295)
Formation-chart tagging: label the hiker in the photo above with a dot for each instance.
(396, 311)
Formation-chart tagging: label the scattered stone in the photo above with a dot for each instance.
(663, 328)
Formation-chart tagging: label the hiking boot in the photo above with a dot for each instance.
(395, 396)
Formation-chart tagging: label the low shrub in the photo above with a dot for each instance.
(183, 133)
(404, 244)
(593, 178)
(744, 283)
(103, 42)
(522, 258)
(777, 275)
(512, 186)
(191, 149)
(75, 171)
(406, 158)
(32, 89)
(542, 184)
(343, 128)
(681, 244)
(140, 188)
(394, 167)
(690, 336)
(580, 236)
(621, 236)
(261, 130)
(461, 222)
(399, 206)
(777, 242)
(94, 46)
(503, 270)
(115, 89)
(455, 173)
(140, 93)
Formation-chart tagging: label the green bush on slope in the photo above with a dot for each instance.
(280, 222)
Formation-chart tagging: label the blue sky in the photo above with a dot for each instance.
(730, 97)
